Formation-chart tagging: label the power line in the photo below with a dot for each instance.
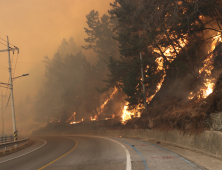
(3, 66)
(3, 87)
(12, 57)
(30, 63)
(3, 44)
(6, 41)
(7, 103)
(7, 88)
(3, 33)
(3, 39)
(15, 65)
(8, 83)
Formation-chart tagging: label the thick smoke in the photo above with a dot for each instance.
(37, 28)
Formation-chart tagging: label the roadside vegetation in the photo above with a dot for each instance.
(177, 45)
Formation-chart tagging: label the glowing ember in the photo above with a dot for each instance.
(93, 119)
(207, 65)
(216, 40)
(54, 120)
(76, 122)
(191, 96)
(170, 51)
(108, 118)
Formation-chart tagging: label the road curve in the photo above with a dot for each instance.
(94, 153)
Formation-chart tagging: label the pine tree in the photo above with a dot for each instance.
(69, 87)
(100, 38)
(152, 28)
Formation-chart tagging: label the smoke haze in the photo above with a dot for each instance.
(37, 28)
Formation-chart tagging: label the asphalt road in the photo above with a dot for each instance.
(94, 153)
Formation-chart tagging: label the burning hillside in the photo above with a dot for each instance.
(160, 61)
(172, 109)
(172, 113)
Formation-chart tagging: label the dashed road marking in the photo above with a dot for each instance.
(60, 156)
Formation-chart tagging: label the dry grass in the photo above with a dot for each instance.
(191, 116)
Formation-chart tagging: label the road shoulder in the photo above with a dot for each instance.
(37, 144)
(201, 159)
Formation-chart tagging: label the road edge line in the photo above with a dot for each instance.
(144, 160)
(25, 153)
(128, 160)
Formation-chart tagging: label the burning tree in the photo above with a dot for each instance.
(179, 41)
(173, 37)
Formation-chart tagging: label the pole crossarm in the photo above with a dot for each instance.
(5, 87)
(10, 49)
(16, 77)
(5, 84)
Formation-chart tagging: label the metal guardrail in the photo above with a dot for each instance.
(5, 139)
(5, 145)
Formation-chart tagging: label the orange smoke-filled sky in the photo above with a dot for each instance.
(37, 27)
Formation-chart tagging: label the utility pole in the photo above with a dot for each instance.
(144, 90)
(11, 87)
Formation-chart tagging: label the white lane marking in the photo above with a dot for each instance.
(25, 153)
(128, 160)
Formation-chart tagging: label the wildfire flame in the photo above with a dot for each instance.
(93, 119)
(207, 68)
(209, 89)
(127, 115)
(77, 122)
(170, 53)
(106, 101)
(104, 104)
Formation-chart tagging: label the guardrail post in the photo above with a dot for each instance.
(15, 136)
(15, 143)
